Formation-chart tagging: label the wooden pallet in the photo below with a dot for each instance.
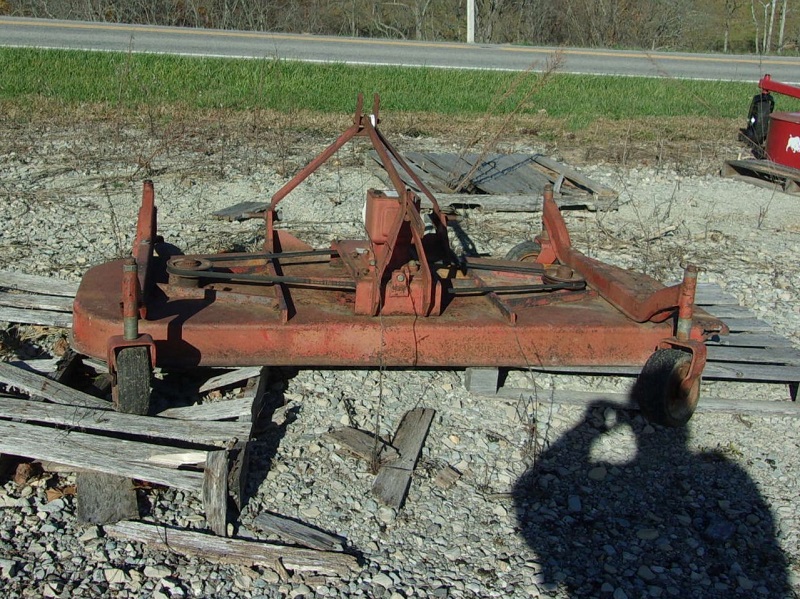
(764, 173)
(32, 299)
(752, 352)
(73, 429)
(500, 182)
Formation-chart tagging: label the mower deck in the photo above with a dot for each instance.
(398, 297)
(240, 325)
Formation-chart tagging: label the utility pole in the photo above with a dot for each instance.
(470, 21)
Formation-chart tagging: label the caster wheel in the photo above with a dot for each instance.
(527, 251)
(131, 393)
(658, 389)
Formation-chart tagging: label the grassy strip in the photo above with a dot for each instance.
(130, 80)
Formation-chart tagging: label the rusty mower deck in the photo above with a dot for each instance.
(399, 297)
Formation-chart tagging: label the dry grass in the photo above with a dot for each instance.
(689, 142)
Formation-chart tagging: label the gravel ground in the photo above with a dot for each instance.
(553, 501)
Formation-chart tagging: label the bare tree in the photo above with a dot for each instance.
(771, 27)
(784, 8)
(731, 7)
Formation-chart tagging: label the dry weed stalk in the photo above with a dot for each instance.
(552, 65)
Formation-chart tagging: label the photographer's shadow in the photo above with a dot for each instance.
(666, 523)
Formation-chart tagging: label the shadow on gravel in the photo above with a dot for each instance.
(667, 523)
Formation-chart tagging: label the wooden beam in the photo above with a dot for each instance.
(623, 401)
(229, 409)
(723, 371)
(215, 491)
(393, 480)
(43, 318)
(36, 384)
(220, 434)
(297, 532)
(232, 377)
(37, 284)
(482, 380)
(93, 452)
(238, 472)
(364, 445)
(236, 551)
(27, 301)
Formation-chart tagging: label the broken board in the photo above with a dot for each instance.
(500, 182)
(82, 432)
(36, 300)
(764, 173)
(394, 478)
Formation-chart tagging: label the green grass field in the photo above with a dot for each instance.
(131, 80)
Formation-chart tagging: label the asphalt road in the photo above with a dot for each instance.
(208, 42)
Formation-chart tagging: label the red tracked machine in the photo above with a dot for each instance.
(399, 297)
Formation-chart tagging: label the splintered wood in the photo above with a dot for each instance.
(297, 532)
(77, 430)
(397, 459)
(393, 479)
(501, 182)
(364, 445)
(234, 550)
(31, 299)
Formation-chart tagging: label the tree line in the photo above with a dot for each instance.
(743, 26)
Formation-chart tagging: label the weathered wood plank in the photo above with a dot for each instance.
(40, 365)
(481, 380)
(410, 436)
(36, 384)
(238, 472)
(93, 452)
(712, 294)
(37, 284)
(764, 173)
(748, 325)
(393, 480)
(724, 353)
(765, 373)
(363, 444)
(446, 477)
(27, 301)
(431, 171)
(233, 550)
(45, 318)
(726, 311)
(574, 176)
(221, 434)
(178, 459)
(256, 393)
(232, 377)
(744, 339)
(215, 491)
(505, 174)
(623, 401)
(229, 409)
(245, 409)
(293, 531)
(435, 183)
(242, 211)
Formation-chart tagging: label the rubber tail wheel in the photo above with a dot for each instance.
(658, 389)
(527, 251)
(131, 393)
